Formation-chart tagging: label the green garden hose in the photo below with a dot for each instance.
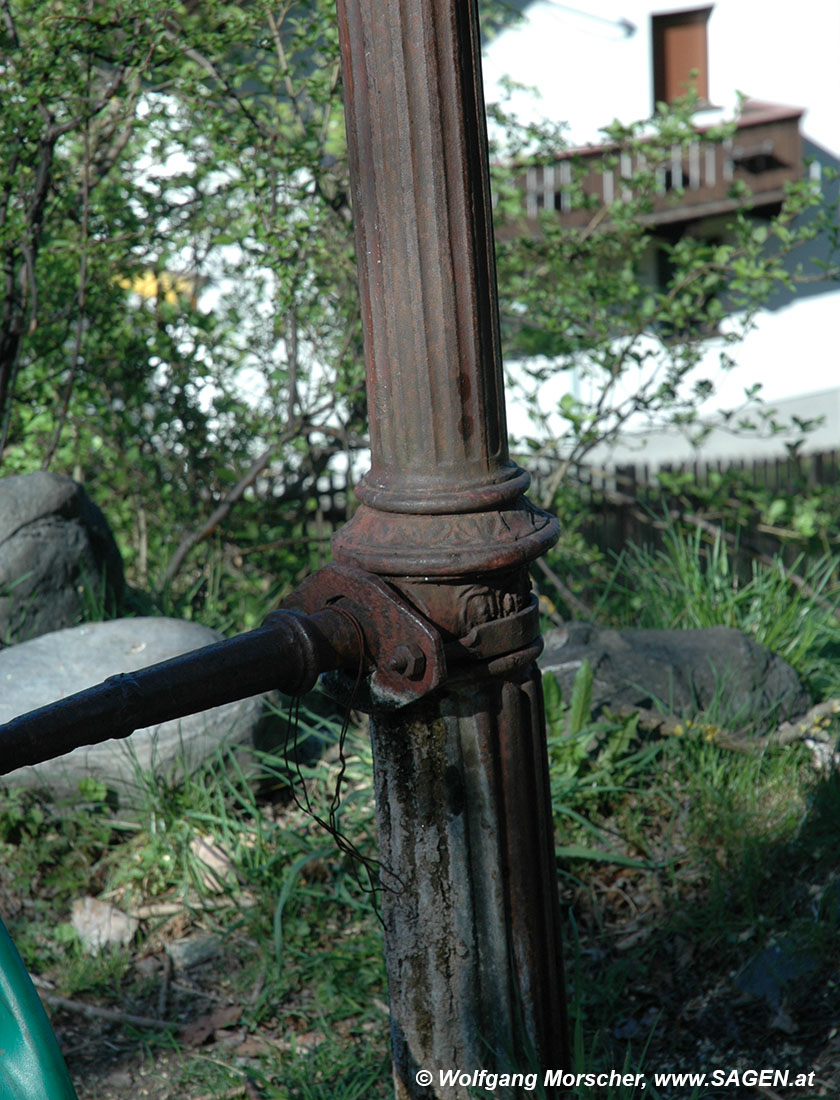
(31, 1066)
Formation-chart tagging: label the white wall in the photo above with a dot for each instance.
(670, 446)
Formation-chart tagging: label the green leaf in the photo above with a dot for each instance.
(92, 789)
(598, 855)
(581, 701)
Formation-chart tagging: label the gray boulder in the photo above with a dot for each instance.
(684, 672)
(55, 665)
(56, 553)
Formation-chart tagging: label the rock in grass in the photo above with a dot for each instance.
(100, 925)
(57, 555)
(717, 671)
(55, 665)
(190, 951)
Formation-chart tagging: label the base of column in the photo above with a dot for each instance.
(470, 901)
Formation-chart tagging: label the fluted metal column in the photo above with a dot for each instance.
(470, 891)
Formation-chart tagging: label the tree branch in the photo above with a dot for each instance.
(568, 597)
(81, 293)
(223, 510)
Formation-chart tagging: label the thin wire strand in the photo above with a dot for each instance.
(374, 869)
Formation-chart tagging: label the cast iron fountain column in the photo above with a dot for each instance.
(470, 888)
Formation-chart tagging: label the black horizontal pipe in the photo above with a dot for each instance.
(287, 653)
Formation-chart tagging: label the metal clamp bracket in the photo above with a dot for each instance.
(404, 650)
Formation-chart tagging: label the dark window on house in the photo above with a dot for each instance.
(680, 55)
(757, 159)
(700, 320)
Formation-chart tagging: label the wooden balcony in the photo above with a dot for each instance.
(699, 181)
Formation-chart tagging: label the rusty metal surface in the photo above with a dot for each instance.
(287, 653)
(461, 604)
(425, 254)
(497, 637)
(472, 929)
(442, 497)
(445, 545)
(531, 880)
(404, 652)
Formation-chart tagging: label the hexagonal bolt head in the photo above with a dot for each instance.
(408, 660)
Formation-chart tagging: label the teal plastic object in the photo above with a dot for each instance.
(31, 1066)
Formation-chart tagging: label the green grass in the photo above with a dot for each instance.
(676, 856)
(675, 845)
(713, 838)
(296, 923)
(693, 583)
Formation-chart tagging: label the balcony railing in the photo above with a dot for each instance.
(698, 181)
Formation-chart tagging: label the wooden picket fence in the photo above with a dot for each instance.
(627, 504)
